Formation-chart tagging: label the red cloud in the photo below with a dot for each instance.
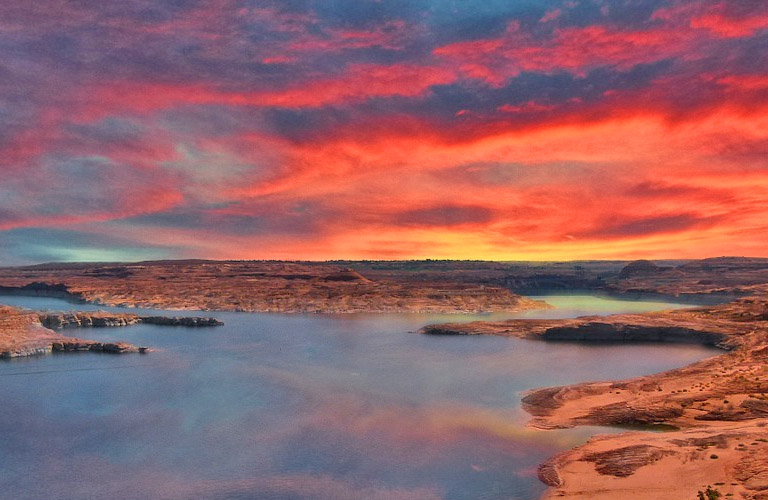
(358, 82)
(721, 22)
(527, 107)
(513, 174)
(571, 49)
(745, 83)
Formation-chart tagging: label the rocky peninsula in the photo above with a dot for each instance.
(22, 334)
(716, 409)
(28, 333)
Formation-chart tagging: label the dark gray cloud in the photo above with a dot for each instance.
(444, 216)
(649, 225)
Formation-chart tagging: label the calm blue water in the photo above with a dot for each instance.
(279, 407)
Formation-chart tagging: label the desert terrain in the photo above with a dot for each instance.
(713, 413)
(432, 286)
(287, 287)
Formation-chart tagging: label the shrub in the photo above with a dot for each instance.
(709, 494)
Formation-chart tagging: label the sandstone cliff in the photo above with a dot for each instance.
(22, 334)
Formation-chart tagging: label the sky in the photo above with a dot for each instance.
(383, 129)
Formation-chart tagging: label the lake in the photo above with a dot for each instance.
(279, 407)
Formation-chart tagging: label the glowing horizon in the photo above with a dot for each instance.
(357, 129)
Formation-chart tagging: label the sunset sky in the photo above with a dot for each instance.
(297, 129)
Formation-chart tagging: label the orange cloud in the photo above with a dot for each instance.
(275, 132)
(571, 49)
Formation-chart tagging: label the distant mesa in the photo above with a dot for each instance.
(378, 286)
(721, 264)
(275, 286)
(642, 268)
(110, 272)
(43, 289)
(347, 274)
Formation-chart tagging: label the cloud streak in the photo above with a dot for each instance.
(221, 128)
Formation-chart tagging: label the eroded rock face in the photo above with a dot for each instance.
(26, 333)
(549, 474)
(182, 321)
(22, 334)
(58, 321)
(42, 289)
(752, 471)
(631, 414)
(725, 276)
(696, 327)
(87, 345)
(24, 351)
(749, 409)
(100, 319)
(595, 331)
(542, 402)
(623, 462)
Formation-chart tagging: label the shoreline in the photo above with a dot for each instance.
(688, 299)
(720, 402)
(283, 287)
(524, 305)
(606, 465)
(25, 333)
(505, 303)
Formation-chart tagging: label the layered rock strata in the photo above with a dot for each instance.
(23, 334)
(102, 319)
(27, 333)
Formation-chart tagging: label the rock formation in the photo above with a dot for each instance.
(641, 268)
(376, 286)
(22, 334)
(296, 287)
(719, 406)
(101, 319)
(26, 333)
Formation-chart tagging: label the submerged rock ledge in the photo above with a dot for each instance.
(718, 405)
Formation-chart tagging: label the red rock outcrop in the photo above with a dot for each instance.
(720, 405)
(22, 334)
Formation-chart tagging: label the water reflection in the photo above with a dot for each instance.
(298, 407)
